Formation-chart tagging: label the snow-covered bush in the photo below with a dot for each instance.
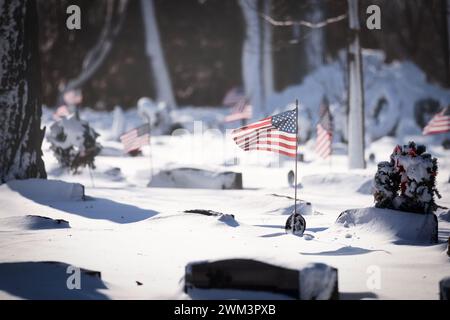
(157, 114)
(73, 143)
(398, 99)
(408, 181)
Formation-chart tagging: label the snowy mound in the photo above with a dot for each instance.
(196, 178)
(225, 218)
(389, 224)
(354, 182)
(445, 215)
(367, 187)
(31, 222)
(47, 190)
(305, 208)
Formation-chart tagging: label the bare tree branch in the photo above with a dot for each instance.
(303, 23)
(95, 57)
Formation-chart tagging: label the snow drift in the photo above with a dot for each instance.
(48, 190)
(225, 218)
(32, 222)
(390, 224)
(196, 178)
(355, 182)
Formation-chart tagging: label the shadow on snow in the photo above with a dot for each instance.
(47, 280)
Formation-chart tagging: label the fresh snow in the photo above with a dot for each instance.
(387, 224)
(130, 232)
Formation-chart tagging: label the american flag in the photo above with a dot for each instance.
(324, 131)
(233, 96)
(241, 110)
(61, 112)
(277, 133)
(136, 138)
(239, 103)
(440, 123)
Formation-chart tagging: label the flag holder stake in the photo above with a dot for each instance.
(150, 147)
(330, 163)
(92, 177)
(296, 155)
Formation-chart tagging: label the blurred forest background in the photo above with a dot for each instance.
(202, 42)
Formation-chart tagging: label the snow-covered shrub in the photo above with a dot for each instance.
(399, 101)
(157, 114)
(408, 181)
(73, 143)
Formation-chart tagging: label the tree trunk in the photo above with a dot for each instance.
(355, 92)
(315, 40)
(267, 56)
(446, 35)
(20, 104)
(251, 56)
(161, 77)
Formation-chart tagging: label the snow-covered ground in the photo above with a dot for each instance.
(130, 232)
(140, 238)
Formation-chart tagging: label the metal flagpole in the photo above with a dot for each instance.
(296, 155)
(92, 177)
(330, 164)
(150, 147)
(331, 128)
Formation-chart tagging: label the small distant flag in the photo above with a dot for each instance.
(440, 123)
(61, 112)
(136, 138)
(239, 103)
(277, 133)
(242, 110)
(324, 131)
(68, 104)
(233, 96)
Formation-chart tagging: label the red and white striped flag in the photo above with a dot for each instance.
(239, 104)
(324, 132)
(241, 110)
(440, 123)
(136, 138)
(277, 133)
(233, 96)
(61, 112)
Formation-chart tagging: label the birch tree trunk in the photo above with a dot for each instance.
(251, 56)
(355, 92)
(267, 55)
(161, 77)
(20, 106)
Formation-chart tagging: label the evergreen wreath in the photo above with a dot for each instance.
(408, 181)
(73, 143)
